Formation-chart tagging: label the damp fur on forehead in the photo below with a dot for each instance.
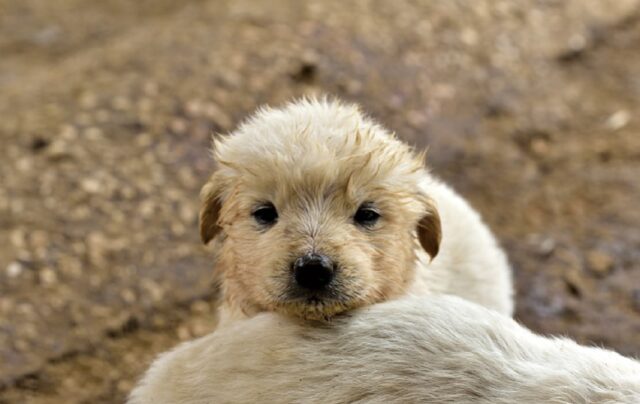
(308, 135)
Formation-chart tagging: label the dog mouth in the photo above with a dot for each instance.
(316, 306)
(334, 298)
(313, 309)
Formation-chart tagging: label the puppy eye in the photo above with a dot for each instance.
(266, 214)
(366, 215)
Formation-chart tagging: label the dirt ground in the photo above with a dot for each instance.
(530, 109)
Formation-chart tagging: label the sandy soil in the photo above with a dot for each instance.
(530, 109)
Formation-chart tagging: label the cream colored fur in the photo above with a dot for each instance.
(439, 349)
(317, 161)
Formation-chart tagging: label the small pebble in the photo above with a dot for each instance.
(183, 333)
(178, 126)
(91, 185)
(14, 269)
(618, 120)
(48, 276)
(547, 246)
(200, 307)
(599, 262)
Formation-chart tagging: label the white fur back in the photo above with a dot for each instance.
(438, 349)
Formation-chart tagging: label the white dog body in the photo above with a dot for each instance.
(439, 349)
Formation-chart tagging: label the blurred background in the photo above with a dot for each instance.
(530, 110)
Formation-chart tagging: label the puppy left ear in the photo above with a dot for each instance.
(430, 229)
(210, 209)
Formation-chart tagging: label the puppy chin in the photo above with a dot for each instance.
(313, 309)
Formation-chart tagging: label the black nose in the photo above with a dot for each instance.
(313, 271)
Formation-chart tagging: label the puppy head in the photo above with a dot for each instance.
(317, 210)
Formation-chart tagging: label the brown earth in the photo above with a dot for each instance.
(530, 109)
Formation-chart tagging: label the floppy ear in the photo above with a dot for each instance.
(210, 209)
(430, 230)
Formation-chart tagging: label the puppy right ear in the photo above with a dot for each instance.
(210, 209)
(430, 229)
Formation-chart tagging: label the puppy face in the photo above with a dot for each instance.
(317, 210)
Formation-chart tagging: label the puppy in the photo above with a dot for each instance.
(439, 349)
(315, 210)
